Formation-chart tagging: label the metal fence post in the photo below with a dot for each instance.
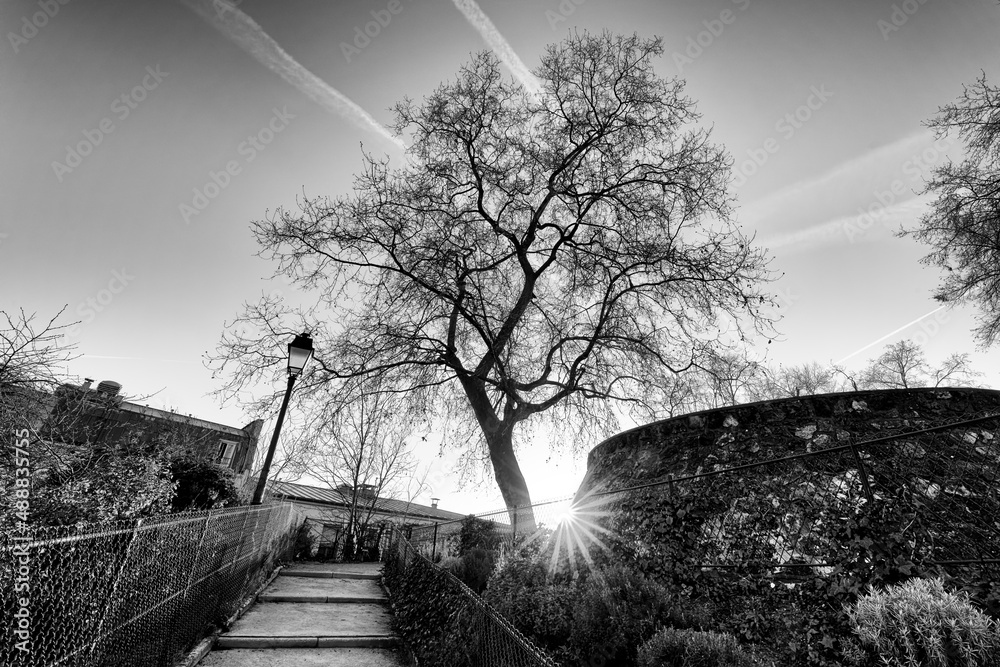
(864, 474)
(435, 543)
(513, 530)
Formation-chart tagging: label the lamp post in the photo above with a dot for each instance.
(299, 352)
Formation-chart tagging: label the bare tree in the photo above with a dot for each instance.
(900, 366)
(803, 380)
(851, 380)
(956, 370)
(30, 358)
(535, 257)
(731, 378)
(362, 453)
(963, 225)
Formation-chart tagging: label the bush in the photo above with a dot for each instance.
(593, 618)
(919, 623)
(617, 609)
(693, 648)
(305, 541)
(202, 484)
(477, 534)
(474, 568)
(539, 605)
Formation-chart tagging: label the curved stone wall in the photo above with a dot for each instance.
(753, 432)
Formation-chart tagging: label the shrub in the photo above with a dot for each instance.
(919, 623)
(617, 609)
(431, 613)
(693, 648)
(202, 484)
(538, 605)
(304, 543)
(474, 568)
(477, 534)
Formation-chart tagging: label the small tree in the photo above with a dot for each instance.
(361, 452)
(900, 366)
(804, 379)
(962, 227)
(903, 365)
(956, 370)
(31, 355)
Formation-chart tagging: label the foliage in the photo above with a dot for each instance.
(616, 610)
(540, 605)
(961, 226)
(920, 623)
(305, 541)
(202, 484)
(474, 568)
(432, 613)
(478, 533)
(127, 486)
(693, 648)
(802, 619)
(597, 617)
(537, 257)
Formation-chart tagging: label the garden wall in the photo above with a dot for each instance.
(754, 432)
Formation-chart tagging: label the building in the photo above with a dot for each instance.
(328, 509)
(99, 416)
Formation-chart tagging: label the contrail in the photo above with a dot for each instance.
(891, 333)
(475, 16)
(248, 35)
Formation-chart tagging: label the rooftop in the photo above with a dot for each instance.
(333, 497)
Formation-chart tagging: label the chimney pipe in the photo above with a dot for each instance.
(86, 384)
(434, 503)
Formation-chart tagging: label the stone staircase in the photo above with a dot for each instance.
(314, 614)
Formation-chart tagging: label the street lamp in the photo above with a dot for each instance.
(299, 352)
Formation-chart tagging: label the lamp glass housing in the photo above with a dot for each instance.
(299, 352)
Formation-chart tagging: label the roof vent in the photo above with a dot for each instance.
(109, 387)
(434, 503)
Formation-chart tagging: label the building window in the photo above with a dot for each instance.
(226, 451)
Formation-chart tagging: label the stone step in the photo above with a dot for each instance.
(327, 590)
(304, 657)
(320, 641)
(311, 624)
(318, 574)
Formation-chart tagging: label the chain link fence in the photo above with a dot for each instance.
(444, 622)
(134, 593)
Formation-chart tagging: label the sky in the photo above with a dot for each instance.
(141, 138)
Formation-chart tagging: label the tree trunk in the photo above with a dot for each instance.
(508, 475)
(499, 440)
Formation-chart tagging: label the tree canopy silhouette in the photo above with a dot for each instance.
(963, 225)
(535, 257)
